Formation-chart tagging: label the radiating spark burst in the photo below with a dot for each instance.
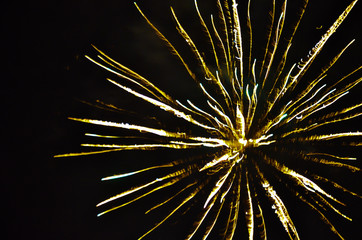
(256, 117)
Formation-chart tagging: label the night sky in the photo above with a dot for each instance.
(46, 79)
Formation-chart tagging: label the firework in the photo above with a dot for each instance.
(260, 118)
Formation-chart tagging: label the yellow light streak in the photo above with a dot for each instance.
(280, 208)
(331, 155)
(135, 172)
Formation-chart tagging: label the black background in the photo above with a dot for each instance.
(45, 74)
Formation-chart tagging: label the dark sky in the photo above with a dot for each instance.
(46, 74)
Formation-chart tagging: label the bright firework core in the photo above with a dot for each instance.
(240, 143)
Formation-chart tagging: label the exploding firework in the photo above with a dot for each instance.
(259, 119)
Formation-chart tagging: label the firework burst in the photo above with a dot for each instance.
(260, 119)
